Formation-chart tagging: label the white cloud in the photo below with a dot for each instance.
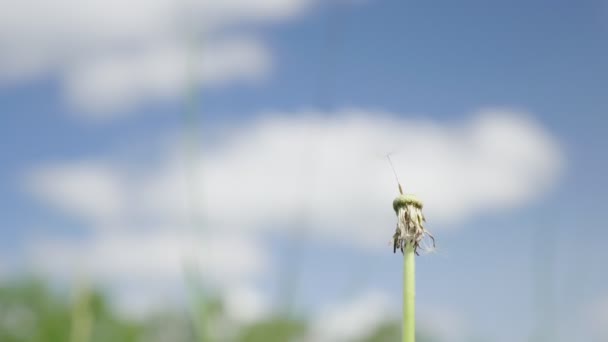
(146, 272)
(85, 189)
(440, 323)
(267, 172)
(157, 254)
(245, 304)
(353, 319)
(105, 84)
(597, 318)
(362, 315)
(98, 45)
(444, 324)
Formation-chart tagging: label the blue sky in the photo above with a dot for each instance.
(535, 69)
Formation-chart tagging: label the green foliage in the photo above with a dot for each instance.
(277, 329)
(391, 332)
(31, 312)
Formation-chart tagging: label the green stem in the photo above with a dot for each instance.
(409, 294)
(82, 317)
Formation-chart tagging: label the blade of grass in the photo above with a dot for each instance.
(82, 317)
(198, 313)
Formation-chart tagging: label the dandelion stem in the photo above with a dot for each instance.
(409, 294)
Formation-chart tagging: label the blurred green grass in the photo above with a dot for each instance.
(32, 311)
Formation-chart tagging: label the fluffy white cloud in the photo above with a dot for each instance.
(353, 319)
(112, 55)
(104, 85)
(265, 173)
(246, 304)
(444, 324)
(157, 254)
(147, 271)
(597, 318)
(363, 314)
(85, 189)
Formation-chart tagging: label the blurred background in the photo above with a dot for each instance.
(215, 170)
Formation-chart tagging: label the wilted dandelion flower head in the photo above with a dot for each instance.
(410, 224)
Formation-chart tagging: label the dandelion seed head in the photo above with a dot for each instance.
(410, 224)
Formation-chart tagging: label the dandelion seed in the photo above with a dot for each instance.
(410, 223)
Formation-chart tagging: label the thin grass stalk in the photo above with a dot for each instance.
(82, 317)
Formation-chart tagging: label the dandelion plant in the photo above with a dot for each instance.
(408, 237)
